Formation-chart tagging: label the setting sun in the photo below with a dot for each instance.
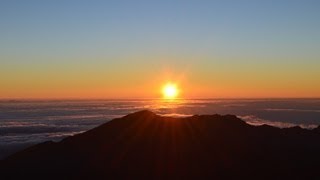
(170, 91)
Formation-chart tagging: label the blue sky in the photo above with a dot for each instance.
(132, 26)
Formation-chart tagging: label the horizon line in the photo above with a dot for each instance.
(137, 98)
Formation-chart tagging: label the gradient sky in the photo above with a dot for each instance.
(129, 49)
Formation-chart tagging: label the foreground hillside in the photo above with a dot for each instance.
(144, 145)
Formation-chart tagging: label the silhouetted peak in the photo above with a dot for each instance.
(228, 119)
(232, 118)
(143, 145)
(295, 129)
(142, 113)
(317, 129)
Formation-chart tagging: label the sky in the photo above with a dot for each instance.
(130, 49)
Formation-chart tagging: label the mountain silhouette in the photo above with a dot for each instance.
(144, 145)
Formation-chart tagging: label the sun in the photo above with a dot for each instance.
(170, 91)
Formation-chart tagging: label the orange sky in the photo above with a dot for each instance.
(196, 79)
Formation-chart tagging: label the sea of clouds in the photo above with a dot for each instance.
(27, 122)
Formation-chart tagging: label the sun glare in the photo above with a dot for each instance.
(170, 91)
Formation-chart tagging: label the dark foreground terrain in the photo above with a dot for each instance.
(144, 145)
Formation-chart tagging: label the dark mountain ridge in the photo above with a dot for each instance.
(144, 145)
